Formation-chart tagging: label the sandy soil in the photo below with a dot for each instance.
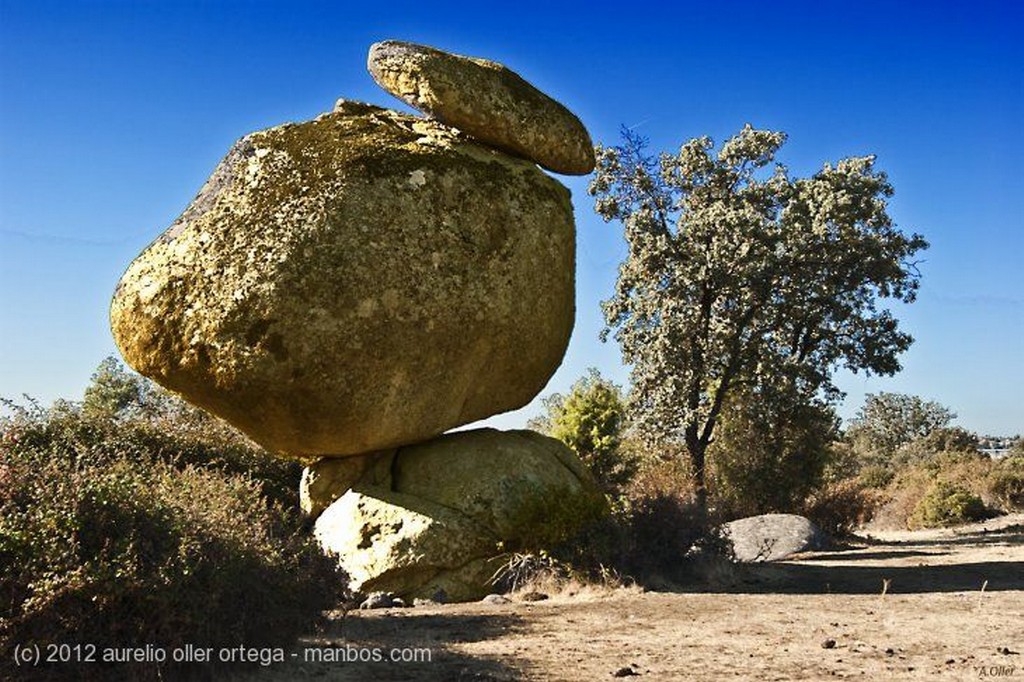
(899, 605)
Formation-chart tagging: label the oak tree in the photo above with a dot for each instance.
(739, 275)
(889, 422)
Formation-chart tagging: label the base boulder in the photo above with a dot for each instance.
(446, 511)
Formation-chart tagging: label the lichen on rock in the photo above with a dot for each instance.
(486, 100)
(441, 512)
(356, 282)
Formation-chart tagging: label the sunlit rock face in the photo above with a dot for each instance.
(434, 516)
(486, 100)
(356, 282)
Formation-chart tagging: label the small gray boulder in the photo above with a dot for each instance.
(771, 537)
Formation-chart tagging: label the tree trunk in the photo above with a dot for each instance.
(697, 449)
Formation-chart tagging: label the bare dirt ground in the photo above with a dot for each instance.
(897, 605)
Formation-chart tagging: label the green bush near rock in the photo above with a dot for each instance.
(947, 504)
(124, 533)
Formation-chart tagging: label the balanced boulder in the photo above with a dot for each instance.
(486, 100)
(354, 283)
(437, 515)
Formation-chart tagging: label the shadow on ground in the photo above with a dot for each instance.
(478, 642)
(807, 578)
(1012, 535)
(361, 647)
(917, 566)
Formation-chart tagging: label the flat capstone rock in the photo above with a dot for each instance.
(486, 100)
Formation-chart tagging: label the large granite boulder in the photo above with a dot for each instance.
(354, 283)
(435, 515)
(486, 100)
(772, 537)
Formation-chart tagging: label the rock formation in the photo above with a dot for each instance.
(357, 282)
(346, 289)
(486, 100)
(430, 516)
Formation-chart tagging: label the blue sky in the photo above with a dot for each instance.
(112, 114)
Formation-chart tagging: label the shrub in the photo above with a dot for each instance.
(947, 504)
(1006, 483)
(876, 476)
(651, 534)
(662, 473)
(948, 439)
(591, 421)
(770, 452)
(969, 469)
(965, 470)
(180, 435)
(843, 462)
(525, 568)
(838, 508)
(118, 534)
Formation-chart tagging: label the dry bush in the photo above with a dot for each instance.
(965, 471)
(651, 535)
(665, 474)
(1006, 483)
(115, 535)
(841, 507)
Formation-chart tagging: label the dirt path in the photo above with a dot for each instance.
(822, 616)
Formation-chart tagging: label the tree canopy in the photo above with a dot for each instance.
(113, 390)
(890, 421)
(591, 421)
(738, 276)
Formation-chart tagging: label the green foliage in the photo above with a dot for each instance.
(770, 453)
(940, 441)
(736, 276)
(890, 421)
(947, 504)
(947, 439)
(955, 464)
(113, 390)
(876, 476)
(556, 519)
(902, 498)
(180, 435)
(591, 420)
(118, 529)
